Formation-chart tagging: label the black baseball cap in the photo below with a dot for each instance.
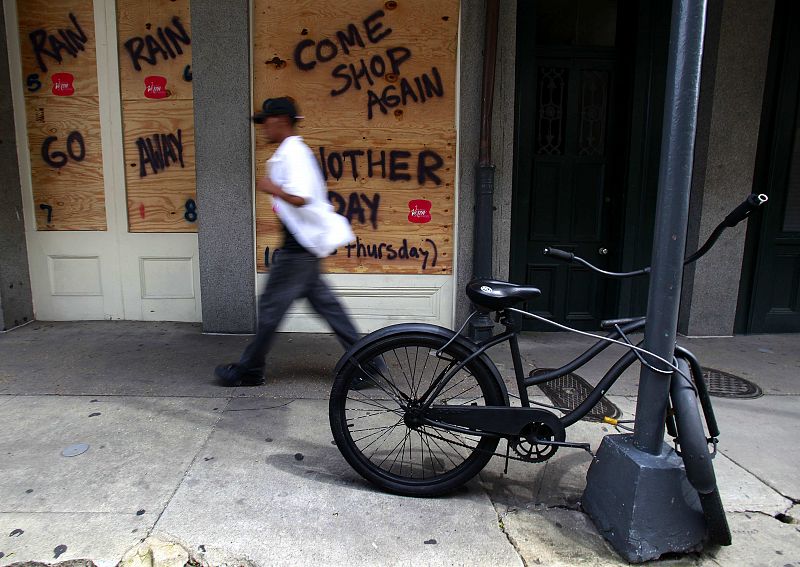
(281, 106)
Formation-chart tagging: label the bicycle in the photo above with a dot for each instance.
(438, 407)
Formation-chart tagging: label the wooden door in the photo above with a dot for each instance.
(88, 258)
(572, 194)
(775, 303)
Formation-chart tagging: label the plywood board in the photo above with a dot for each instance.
(57, 36)
(66, 164)
(154, 39)
(159, 167)
(59, 71)
(376, 83)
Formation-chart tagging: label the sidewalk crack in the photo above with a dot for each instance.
(780, 516)
(761, 480)
(509, 537)
(202, 446)
(264, 408)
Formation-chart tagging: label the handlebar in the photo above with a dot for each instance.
(570, 257)
(737, 215)
(608, 323)
(559, 254)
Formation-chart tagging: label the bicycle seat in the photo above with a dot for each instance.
(494, 295)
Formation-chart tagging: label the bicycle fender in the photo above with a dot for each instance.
(426, 328)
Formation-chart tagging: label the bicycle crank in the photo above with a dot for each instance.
(539, 440)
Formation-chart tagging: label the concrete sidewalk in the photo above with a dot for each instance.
(250, 475)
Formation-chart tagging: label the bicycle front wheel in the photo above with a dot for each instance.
(372, 396)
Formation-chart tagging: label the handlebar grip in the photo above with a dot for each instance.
(741, 212)
(560, 254)
(608, 323)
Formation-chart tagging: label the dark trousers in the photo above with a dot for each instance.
(294, 275)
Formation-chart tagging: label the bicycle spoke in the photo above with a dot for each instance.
(386, 431)
(410, 371)
(435, 382)
(434, 457)
(401, 367)
(383, 435)
(372, 412)
(469, 387)
(444, 451)
(422, 373)
(374, 402)
(401, 442)
(397, 394)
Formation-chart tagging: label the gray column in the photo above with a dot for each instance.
(471, 41)
(16, 304)
(723, 172)
(503, 121)
(222, 109)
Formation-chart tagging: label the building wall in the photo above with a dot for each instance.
(222, 109)
(16, 305)
(730, 114)
(725, 158)
(469, 110)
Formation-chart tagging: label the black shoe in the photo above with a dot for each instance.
(231, 375)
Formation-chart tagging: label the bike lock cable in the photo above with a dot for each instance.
(639, 356)
(448, 343)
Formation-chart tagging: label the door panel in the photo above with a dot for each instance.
(75, 275)
(587, 203)
(775, 305)
(161, 277)
(67, 198)
(157, 224)
(570, 195)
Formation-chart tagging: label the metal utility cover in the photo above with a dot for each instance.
(75, 450)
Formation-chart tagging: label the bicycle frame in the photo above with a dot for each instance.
(523, 383)
(605, 383)
(506, 316)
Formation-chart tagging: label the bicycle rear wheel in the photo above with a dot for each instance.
(375, 393)
(691, 437)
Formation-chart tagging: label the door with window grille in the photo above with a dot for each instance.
(775, 306)
(572, 196)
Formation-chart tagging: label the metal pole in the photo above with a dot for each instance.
(481, 326)
(674, 184)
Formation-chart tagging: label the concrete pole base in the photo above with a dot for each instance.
(643, 504)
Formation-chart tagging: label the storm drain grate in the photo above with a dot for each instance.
(569, 391)
(724, 385)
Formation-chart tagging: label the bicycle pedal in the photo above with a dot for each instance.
(567, 444)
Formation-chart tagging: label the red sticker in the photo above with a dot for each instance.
(155, 87)
(62, 84)
(419, 211)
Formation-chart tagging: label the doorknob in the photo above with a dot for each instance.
(603, 251)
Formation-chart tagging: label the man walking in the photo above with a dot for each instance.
(300, 199)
